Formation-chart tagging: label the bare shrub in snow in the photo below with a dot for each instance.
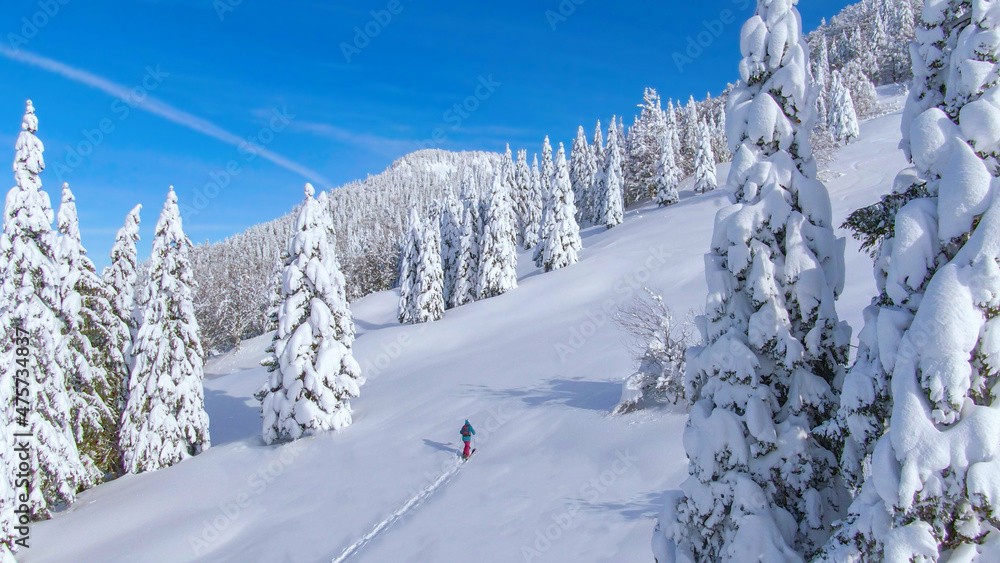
(659, 343)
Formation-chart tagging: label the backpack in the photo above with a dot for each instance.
(465, 431)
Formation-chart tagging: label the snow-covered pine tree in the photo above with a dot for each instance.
(720, 144)
(165, 420)
(645, 141)
(467, 267)
(843, 120)
(8, 495)
(595, 200)
(562, 242)
(312, 372)
(497, 253)
(408, 288)
(548, 169)
(29, 299)
(508, 176)
(580, 174)
(897, 64)
(919, 402)
(622, 143)
(763, 481)
(120, 278)
(862, 89)
(612, 203)
(667, 179)
(821, 74)
(532, 217)
(429, 306)
(274, 294)
(521, 194)
(451, 246)
(689, 136)
(704, 162)
(673, 131)
(95, 338)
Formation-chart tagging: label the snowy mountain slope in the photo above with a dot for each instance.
(535, 371)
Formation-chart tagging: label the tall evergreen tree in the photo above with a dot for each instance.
(498, 254)
(823, 81)
(612, 200)
(522, 195)
(861, 88)
(165, 420)
(8, 495)
(533, 208)
(673, 132)
(917, 400)
(274, 293)
(843, 120)
(408, 286)
(689, 135)
(763, 478)
(29, 299)
(451, 246)
(667, 179)
(645, 144)
(548, 168)
(704, 162)
(312, 371)
(467, 267)
(580, 174)
(121, 278)
(95, 339)
(562, 242)
(429, 303)
(595, 200)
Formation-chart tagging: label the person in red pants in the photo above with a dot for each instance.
(467, 433)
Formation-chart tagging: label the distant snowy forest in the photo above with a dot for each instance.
(864, 46)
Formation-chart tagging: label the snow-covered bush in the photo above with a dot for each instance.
(659, 343)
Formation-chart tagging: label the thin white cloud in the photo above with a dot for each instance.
(159, 108)
(373, 143)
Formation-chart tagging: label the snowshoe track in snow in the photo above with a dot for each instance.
(395, 516)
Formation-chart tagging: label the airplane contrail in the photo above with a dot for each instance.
(157, 107)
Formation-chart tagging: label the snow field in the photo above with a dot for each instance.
(535, 370)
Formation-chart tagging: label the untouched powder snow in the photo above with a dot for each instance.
(535, 370)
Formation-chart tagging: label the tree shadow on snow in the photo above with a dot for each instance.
(231, 419)
(441, 446)
(371, 327)
(600, 396)
(645, 509)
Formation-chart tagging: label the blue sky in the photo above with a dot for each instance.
(178, 85)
